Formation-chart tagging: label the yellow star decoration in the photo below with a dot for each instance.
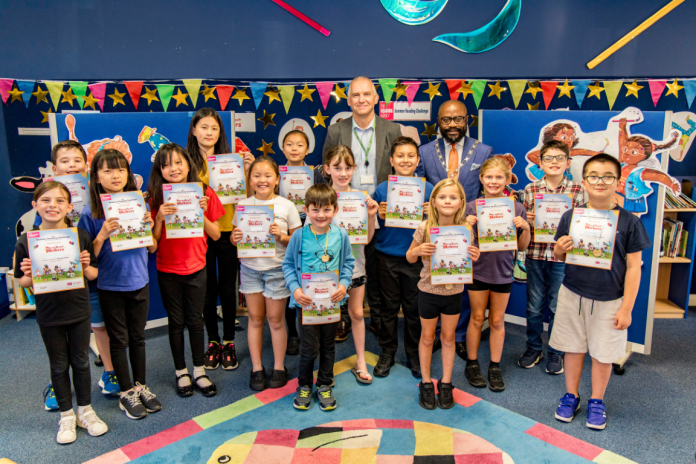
(45, 115)
(465, 89)
(400, 90)
(266, 148)
(40, 94)
(90, 101)
(16, 95)
(633, 88)
(68, 96)
(474, 121)
(564, 90)
(319, 119)
(534, 88)
(496, 89)
(534, 107)
(150, 95)
(596, 91)
(180, 97)
(674, 88)
(272, 95)
(430, 131)
(208, 92)
(267, 119)
(118, 97)
(240, 95)
(339, 92)
(433, 90)
(306, 93)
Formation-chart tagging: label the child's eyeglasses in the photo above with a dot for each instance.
(550, 158)
(606, 180)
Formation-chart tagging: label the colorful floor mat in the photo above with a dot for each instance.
(380, 423)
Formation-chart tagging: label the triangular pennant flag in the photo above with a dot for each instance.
(411, 90)
(98, 91)
(26, 87)
(5, 87)
(478, 87)
(516, 90)
(690, 90)
(192, 86)
(548, 89)
(287, 93)
(452, 87)
(325, 89)
(54, 89)
(134, 88)
(165, 93)
(387, 86)
(580, 90)
(656, 89)
(79, 88)
(612, 89)
(224, 92)
(257, 90)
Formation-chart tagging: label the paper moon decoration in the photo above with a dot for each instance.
(414, 12)
(297, 124)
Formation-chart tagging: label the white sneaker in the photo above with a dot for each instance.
(92, 423)
(66, 430)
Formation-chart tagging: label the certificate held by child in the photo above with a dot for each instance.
(129, 208)
(320, 287)
(352, 215)
(255, 223)
(451, 263)
(55, 260)
(496, 230)
(187, 222)
(405, 198)
(226, 174)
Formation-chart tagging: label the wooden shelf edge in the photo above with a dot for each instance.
(679, 260)
(665, 309)
(22, 308)
(680, 210)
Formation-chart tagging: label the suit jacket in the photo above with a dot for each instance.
(431, 168)
(385, 133)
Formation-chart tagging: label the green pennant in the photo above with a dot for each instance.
(612, 89)
(54, 89)
(192, 86)
(165, 93)
(79, 88)
(516, 90)
(387, 86)
(287, 93)
(478, 87)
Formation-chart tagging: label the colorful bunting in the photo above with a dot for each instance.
(99, 92)
(5, 87)
(40, 94)
(79, 88)
(580, 90)
(534, 89)
(612, 91)
(465, 89)
(150, 95)
(306, 93)
(324, 89)
(90, 101)
(400, 90)
(411, 91)
(477, 87)
(54, 89)
(656, 88)
(134, 89)
(453, 86)
(68, 96)
(165, 93)
(272, 95)
(224, 92)
(257, 90)
(633, 88)
(516, 90)
(433, 90)
(287, 93)
(118, 97)
(388, 86)
(240, 95)
(596, 91)
(209, 92)
(690, 90)
(180, 97)
(564, 90)
(674, 88)
(16, 95)
(192, 86)
(496, 89)
(26, 87)
(548, 89)
(339, 92)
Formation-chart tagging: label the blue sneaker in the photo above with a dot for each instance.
(596, 414)
(51, 404)
(565, 412)
(109, 384)
(554, 365)
(530, 358)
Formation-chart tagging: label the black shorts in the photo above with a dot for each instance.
(357, 282)
(430, 305)
(479, 286)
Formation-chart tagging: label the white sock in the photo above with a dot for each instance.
(199, 371)
(125, 393)
(67, 413)
(184, 381)
(83, 409)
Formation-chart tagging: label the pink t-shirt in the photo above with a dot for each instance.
(425, 284)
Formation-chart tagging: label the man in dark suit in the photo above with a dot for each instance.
(460, 157)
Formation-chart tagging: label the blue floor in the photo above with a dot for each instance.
(649, 408)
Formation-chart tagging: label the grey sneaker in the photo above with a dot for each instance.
(327, 402)
(148, 399)
(554, 365)
(303, 398)
(130, 403)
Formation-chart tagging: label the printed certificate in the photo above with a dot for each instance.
(129, 208)
(548, 209)
(78, 184)
(294, 182)
(254, 222)
(226, 174)
(593, 233)
(405, 198)
(451, 263)
(320, 287)
(55, 260)
(352, 215)
(496, 230)
(187, 222)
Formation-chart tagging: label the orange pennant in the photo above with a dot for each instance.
(224, 92)
(549, 90)
(134, 90)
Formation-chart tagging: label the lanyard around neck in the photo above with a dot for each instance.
(369, 145)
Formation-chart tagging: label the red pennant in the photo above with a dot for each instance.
(224, 92)
(134, 90)
(548, 89)
(453, 86)
(656, 89)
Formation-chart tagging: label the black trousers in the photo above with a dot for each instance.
(222, 266)
(372, 292)
(183, 297)
(125, 316)
(68, 346)
(317, 340)
(398, 280)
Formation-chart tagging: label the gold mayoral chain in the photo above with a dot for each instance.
(325, 257)
(454, 175)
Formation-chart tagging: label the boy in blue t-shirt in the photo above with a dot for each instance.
(318, 247)
(398, 279)
(594, 305)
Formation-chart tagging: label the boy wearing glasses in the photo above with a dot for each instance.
(544, 271)
(594, 305)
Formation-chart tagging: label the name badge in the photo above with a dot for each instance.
(367, 179)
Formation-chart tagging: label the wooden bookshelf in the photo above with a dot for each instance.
(665, 309)
(680, 210)
(665, 260)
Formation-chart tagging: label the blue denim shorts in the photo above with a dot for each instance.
(97, 318)
(270, 282)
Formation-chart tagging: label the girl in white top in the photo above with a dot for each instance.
(340, 165)
(261, 280)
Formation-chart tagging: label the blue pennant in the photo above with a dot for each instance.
(580, 90)
(257, 90)
(26, 87)
(690, 89)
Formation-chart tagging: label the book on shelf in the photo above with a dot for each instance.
(680, 201)
(673, 238)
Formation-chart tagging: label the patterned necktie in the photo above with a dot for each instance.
(453, 162)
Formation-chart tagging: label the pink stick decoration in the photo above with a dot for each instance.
(303, 17)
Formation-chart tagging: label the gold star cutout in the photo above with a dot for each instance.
(496, 89)
(474, 121)
(68, 96)
(596, 91)
(534, 107)
(267, 119)
(633, 88)
(272, 95)
(430, 131)
(180, 97)
(118, 97)
(16, 95)
(465, 89)
(90, 101)
(433, 90)
(564, 90)
(266, 148)
(40, 94)
(150, 95)
(339, 92)
(208, 92)
(534, 88)
(306, 93)
(400, 90)
(319, 119)
(45, 115)
(240, 95)
(674, 88)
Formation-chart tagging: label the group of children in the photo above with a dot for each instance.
(592, 306)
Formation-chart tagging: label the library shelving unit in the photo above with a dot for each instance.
(20, 306)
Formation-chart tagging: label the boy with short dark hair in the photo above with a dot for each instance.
(594, 305)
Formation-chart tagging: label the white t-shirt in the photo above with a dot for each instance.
(286, 216)
(359, 255)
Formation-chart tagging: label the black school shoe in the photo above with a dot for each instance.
(279, 378)
(384, 365)
(257, 380)
(460, 349)
(427, 395)
(213, 355)
(229, 357)
(186, 390)
(210, 390)
(474, 376)
(495, 379)
(293, 348)
(414, 365)
(445, 396)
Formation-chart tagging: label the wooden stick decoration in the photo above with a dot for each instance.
(634, 33)
(309, 21)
